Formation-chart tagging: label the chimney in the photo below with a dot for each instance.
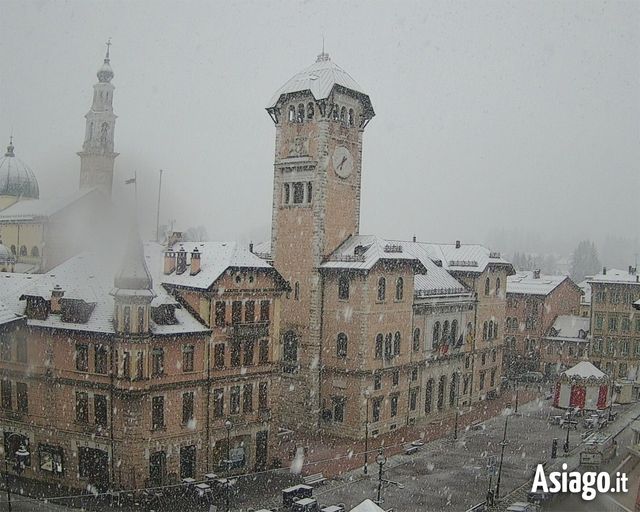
(604, 271)
(169, 261)
(632, 270)
(414, 238)
(536, 274)
(250, 246)
(195, 262)
(457, 244)
(181, 261)
(56, 294)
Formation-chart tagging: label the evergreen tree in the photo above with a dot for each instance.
(585, 261)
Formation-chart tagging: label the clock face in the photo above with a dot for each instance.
(342, 162)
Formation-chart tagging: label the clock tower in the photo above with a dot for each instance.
(97, 156)
(320, 115)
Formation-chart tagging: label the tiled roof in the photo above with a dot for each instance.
(526, 283)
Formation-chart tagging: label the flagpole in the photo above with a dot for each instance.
(158, 211)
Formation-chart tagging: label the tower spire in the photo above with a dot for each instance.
(106, 57)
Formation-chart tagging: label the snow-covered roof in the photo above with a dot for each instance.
(319, 79)
(7, 315)
(362, 252)
(613, 275)
(467, 258)
(367, 506)
(33, 209)
(89, 278)
(569, 327)
(586, 292)
(584, 370)
(526, 283)
(215, 259)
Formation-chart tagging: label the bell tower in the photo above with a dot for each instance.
(97, 156)
(320, 115)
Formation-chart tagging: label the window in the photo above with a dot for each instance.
(309, 191)
(50, 458)
(250, 311)
(92, 462)
(236, 312)
(187, 358)
(298, 193)
(494, 355)
(395, 377)
(157, 362)
(338, 408)
(12, 443)
(341, 346)
(5, 347)
(388, 346)
(23, 250)
(445, 332)
(343, 287)
(375, 409)
(263, 396)
(622, 371)
(187, 407)
(436, 333)
(100, 410)
(453, 389)
(248, 352)
(487, 286)
(428, 397)
(377, 380)
(287, 193)
(218, 355)
(490, 335)
(218, 402)
(382, 289)
(441, 385)
(493, 377)
(157, 412)
(484, 359)
(396, 344)
(613, 323)
(296, 291)
(416, 340)
(637, 324)
(263, 351)
(413, 399)
(414, 374)
(290, 347)
(101, 359)
(351, 117)
(21, 349)
(220, 313)
(454, 331)
(82, 357)
(5, 394)
(495, 330)
(482, 377)
(626, 324)
(309, 110)
(13, 249)
(264, 310)
(465, 385)
(484, 330)
(140, 319)
(235, 353)
(394, 406)
(292, 114)
(140, 366)
(187, 461)
(498, 287)
(624, 348)
(343, 115)
(82, 407)
(127, 319)
(600, 321)
(379, 344)
(126, 365)
(399, 288)
(235, 400)
(22, 397)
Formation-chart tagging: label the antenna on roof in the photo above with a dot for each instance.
(322, 43)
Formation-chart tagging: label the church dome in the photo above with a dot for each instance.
(16, 179)
(320, 79)
(105, 73)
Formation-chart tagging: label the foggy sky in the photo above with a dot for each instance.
(491, 117)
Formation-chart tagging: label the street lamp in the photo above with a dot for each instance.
(21, 455)
(366, 432)
(455, 429)
(517, 389)
(503, 444)
(381, 461)
(228, 425)
(566, 442)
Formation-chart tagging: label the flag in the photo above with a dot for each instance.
(129, 181)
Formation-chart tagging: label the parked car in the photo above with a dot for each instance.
(521, 506)
(539, 497)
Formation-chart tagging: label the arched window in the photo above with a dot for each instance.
(336, 112)
(379, 346)
(309, 191)
(23, 250)
(484, 330)
(343, 115)
(490, 335)
(290, 352)
(13, 249)
(351, 117)
(441, 385)
(495, 330)
(453, 391)
(487, 286)
(35, 253)
(341, 345)
(292, 114)
(388, 346)
(382, 289)
(436, 333)
(343, 287)
(498, 287)
(469, 329)
(296, 291)
(287, 194)
(428, 397)
(399, 288)
(310, 110)
(126, 317)
(140, 318)
(300, 113)
(396, 344)
(416, 340)
(454, 332)
(445, 332)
